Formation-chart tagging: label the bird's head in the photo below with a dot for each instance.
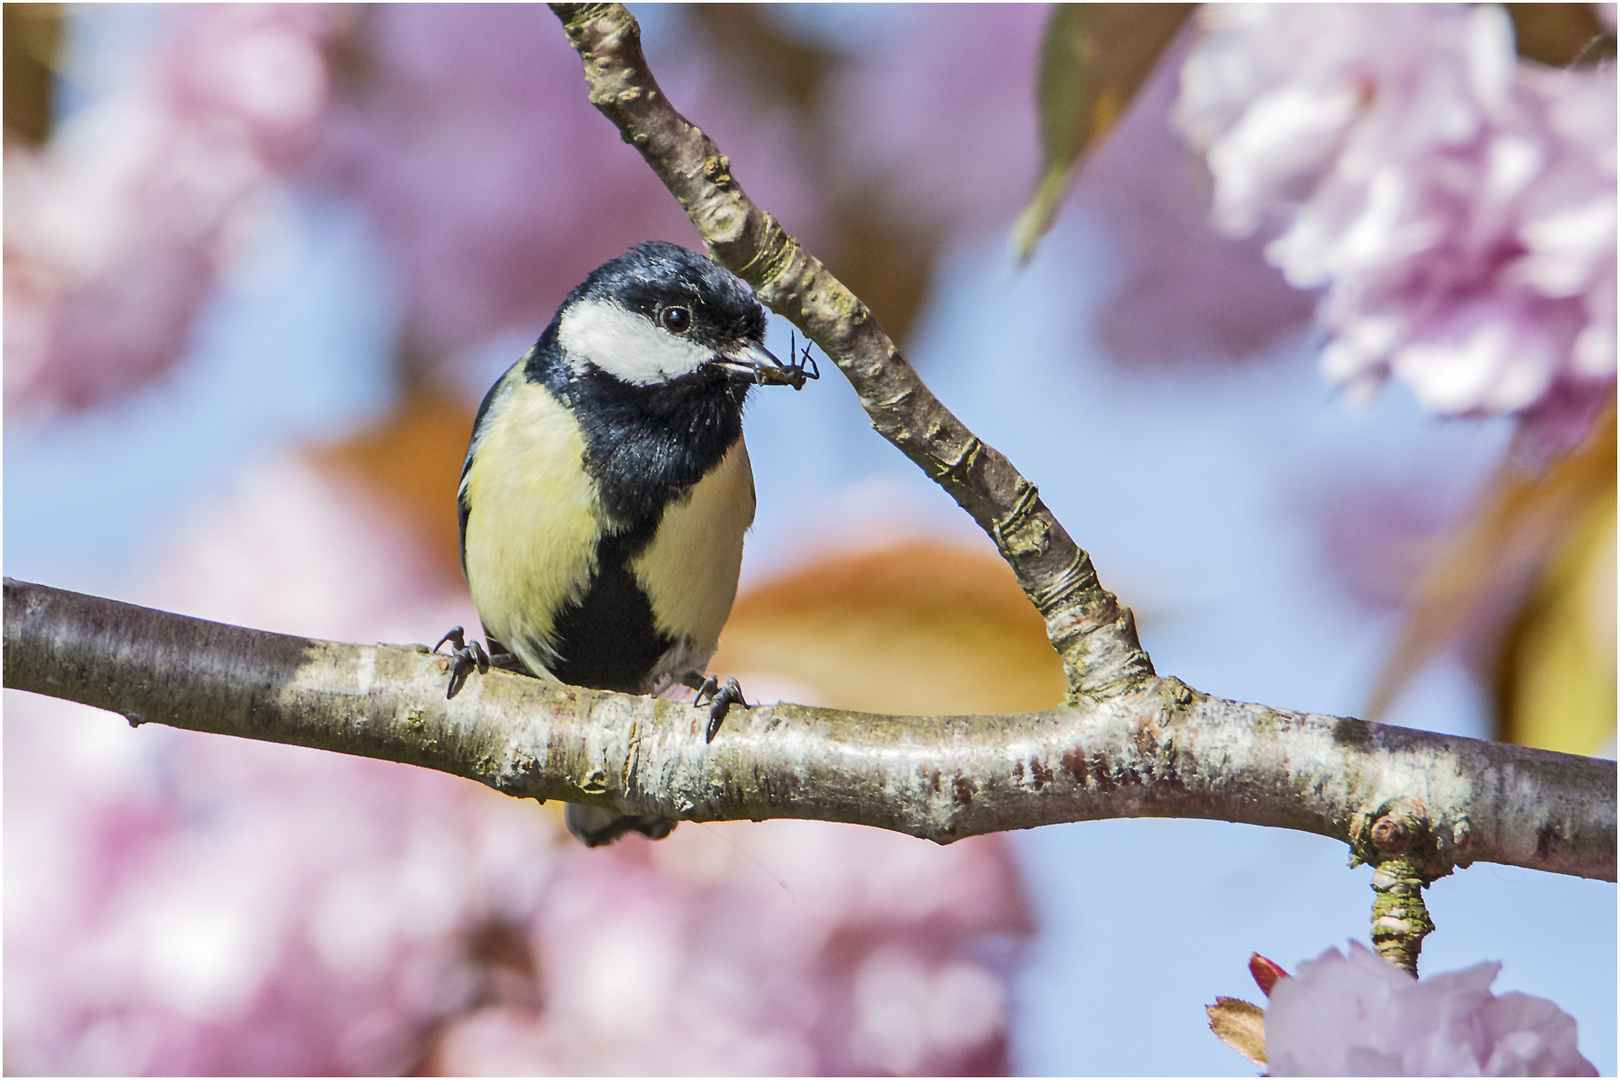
(660, 313)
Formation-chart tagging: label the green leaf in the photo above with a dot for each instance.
(1094, 58)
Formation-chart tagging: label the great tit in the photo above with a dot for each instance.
(606, 489)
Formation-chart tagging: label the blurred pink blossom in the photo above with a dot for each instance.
(936, 112)
(1361, 1016)
(203, 905)
(1456, 205)
(784, 947)
(1186, 292)
(117, 230)
(938, 115)
(469, 137)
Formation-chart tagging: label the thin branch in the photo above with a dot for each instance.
(1162, 752)
(1092, 632)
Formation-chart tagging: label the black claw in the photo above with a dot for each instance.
(464, 660)
(720, 699)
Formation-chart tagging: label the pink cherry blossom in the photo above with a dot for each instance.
(963, 156)
(117, 230)
(1186, 293)
(1455, 205)
(1361, 1016)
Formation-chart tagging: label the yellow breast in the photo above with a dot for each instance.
(689, 570)
(531, 532)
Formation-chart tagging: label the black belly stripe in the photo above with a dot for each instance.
(608, 641)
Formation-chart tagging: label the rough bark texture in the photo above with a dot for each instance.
(1092, 632)
(1160, 751)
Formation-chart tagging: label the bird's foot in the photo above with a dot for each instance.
(464, 660)
(719, 698)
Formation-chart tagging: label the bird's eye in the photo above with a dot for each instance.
(677, 320)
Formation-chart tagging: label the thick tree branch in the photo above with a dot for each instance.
(1092, 632)
(1163, 751)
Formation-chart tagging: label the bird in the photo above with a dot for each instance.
(606, 490)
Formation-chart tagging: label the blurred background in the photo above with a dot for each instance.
(262, 263)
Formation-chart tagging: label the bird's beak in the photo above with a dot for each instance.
(758, 363)
(751, 359)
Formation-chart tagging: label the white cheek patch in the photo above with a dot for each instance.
(626, 345)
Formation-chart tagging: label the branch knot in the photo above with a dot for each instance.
(1022, 533)
(1409, 853)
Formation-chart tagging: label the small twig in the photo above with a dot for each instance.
(1408, 855)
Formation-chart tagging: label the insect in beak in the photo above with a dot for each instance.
(800, 367)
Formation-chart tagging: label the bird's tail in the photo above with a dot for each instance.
(594, 826)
